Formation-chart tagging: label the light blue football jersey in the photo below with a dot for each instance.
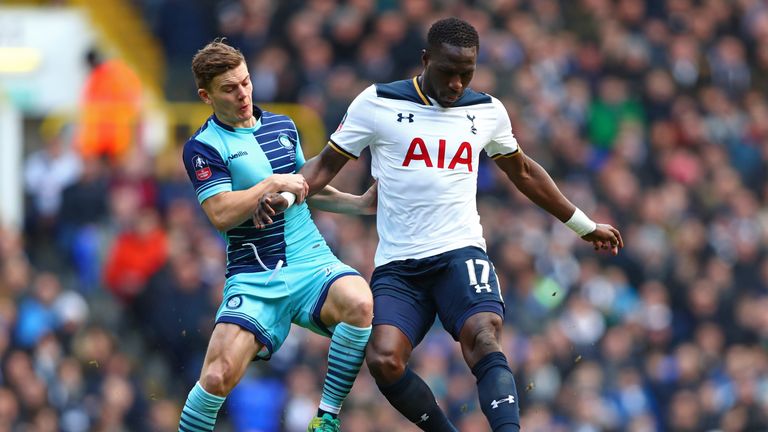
(220, 158)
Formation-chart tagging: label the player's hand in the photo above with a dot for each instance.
(269, 205)
(605, 237)
(294, 183)
(370, 199)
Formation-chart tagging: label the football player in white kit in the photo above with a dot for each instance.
(425, 135)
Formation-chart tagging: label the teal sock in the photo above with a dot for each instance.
(345, 356)
(200, 411)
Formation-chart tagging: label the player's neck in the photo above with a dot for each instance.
(236, 123)
(424, 87)
(420, 81)
(251, 122)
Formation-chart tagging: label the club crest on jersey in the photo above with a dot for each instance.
(472, 128)
(285, 141)
(234, 302)
(202, 170)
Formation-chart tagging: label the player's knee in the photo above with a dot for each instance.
(481, 336)
(358, 309)
(218, 379)
(486, 339)
(385, 366)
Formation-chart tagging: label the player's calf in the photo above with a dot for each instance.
(497, 392)
(495, 383)
(387, 357)
(350, 304)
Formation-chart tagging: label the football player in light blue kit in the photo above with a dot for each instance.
(277, 275)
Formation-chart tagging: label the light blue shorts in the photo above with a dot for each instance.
(295, 294)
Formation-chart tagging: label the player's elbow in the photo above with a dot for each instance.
(220, 224)
(525, 174)
(218, 219)
(521, 179)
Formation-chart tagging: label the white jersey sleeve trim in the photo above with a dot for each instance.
(503, 142)
(357, 129)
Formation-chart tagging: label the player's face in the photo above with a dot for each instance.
(230, 95)
(447, 72)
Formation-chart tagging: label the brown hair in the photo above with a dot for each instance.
(214, 59)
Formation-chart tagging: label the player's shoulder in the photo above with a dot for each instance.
(271, 118)
(273, 124)
(472, 98)
(403, 90)
(204, 139)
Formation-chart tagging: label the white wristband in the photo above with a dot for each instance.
(290, 197)
(580, 223)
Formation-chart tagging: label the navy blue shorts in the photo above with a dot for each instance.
(453, 285)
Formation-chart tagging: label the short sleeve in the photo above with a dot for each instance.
(357, 129)
(503, 142)
(206, 169)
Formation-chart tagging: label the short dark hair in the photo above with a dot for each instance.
(452, 31)
(214, 59)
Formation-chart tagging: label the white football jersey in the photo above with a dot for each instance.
(425, 158)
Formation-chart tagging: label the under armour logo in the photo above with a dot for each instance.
(495, 404)
(400, 117)
(424, 417)
(482, 287)
(472, 119)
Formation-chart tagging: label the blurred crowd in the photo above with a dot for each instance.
(651, 116)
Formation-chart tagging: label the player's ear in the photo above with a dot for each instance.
(424, 57)
(204, 96)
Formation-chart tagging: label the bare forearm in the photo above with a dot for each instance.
(332, 200)
(539, 187)
(230, 209)
(321, 169)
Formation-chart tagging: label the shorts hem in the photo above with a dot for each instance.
(260, 335)
(321, 301)
(495, 307)
(397, 326)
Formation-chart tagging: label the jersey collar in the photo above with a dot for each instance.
(256, 113)
(424, 99)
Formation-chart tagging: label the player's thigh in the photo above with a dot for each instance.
(467, 286)
(310, 285)
(401, 300)
(259, 305)
(230, 350)
(349, 300)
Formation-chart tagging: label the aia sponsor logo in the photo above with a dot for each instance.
(202, 170)
(418, 151)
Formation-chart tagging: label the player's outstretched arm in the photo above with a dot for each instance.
(317, 172)
(329, 199)
(321, 169)
(536, 184)
(227, 210)
(333, 200)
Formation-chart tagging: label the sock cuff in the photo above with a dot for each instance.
(490, 361)
(398, 385)
(199, 394)
(353, 333)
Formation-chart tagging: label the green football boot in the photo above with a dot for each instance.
(326, 423)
